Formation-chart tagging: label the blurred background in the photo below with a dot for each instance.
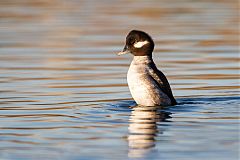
(63, 90)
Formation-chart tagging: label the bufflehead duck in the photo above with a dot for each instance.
(148, 85)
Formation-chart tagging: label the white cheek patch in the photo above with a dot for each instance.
(140, 44)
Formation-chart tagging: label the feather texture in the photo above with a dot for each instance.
(148, 85)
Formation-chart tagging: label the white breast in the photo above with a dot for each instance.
(143, 88)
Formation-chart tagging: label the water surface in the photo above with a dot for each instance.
(63, 90)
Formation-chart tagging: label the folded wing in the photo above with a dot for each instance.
(162, 82)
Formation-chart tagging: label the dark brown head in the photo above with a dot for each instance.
(138, 43)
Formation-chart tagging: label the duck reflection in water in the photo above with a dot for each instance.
(143, 129)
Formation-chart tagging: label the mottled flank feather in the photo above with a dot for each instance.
(146, 87)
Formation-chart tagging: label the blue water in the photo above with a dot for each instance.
(64, 94)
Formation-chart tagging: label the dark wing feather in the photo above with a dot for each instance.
(162, 82)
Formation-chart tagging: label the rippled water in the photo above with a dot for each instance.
(63, 90)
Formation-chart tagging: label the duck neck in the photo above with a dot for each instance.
(142, 60)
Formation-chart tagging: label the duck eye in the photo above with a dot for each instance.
(131, 41)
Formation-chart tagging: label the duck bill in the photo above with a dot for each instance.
(125, 51)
